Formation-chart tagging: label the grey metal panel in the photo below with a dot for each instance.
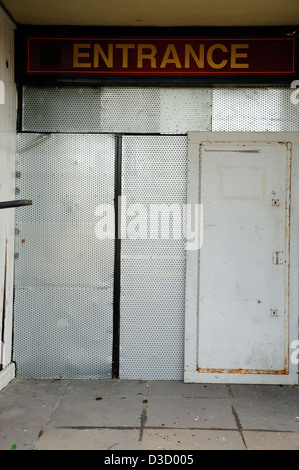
(155, 110)
(61, 109)
(63, 333)
(153, 271)
(254, 109)
(60, 262)
(158, 110)
(185, 109)
(63, 273)
(116, 109)
(130, 110)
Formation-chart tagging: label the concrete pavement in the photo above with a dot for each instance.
(147, 415)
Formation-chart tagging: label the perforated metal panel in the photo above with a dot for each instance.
(155, 110)
(158, 110)
(254, 109)
(61, 109)
(63, 273)
(116, 109)
(153, 270)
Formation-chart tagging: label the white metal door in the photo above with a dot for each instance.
(242, 279)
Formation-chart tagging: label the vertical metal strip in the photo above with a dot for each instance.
(20, 108)
(3, 311)
(117, 267)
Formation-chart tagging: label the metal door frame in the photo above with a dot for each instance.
(191, 307)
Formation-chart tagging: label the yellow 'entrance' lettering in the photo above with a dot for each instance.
(210, 59)
(236, 55)
(167, 59)
(108, 59)
(199, 59)
(125, 54)
(77, 55)
(141, 55)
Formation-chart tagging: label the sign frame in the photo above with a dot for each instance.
(161, 56)
(170, 75)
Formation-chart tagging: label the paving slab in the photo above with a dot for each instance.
(189, 390)
(99, 411)
(88, 439)
(34, 387)
(25, 407)
(29, 401)
(264, 407)
(22, 437)
(265, 391)
(189, 413)
(116, 414)
(185, 439)
(95, 388)
(101, 403)
(265, 440)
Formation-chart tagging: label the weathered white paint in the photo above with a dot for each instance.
(7, 374)
(7, 193)
(242, 301)
(216, 355)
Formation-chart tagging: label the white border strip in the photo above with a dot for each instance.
(7, 374)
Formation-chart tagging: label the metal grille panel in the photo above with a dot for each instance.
(153, 271)
(116, 109)
(156, 110)
(159, 110)
(64, 109)
(254, 109)
(63, 273)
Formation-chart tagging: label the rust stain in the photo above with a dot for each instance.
(286, 362)
(242, 371)
(23, 241)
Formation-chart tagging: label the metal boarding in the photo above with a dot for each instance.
(73, 288)
(58, 125)
(63, 273)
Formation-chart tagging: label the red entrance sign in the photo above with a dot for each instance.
(152, 56)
